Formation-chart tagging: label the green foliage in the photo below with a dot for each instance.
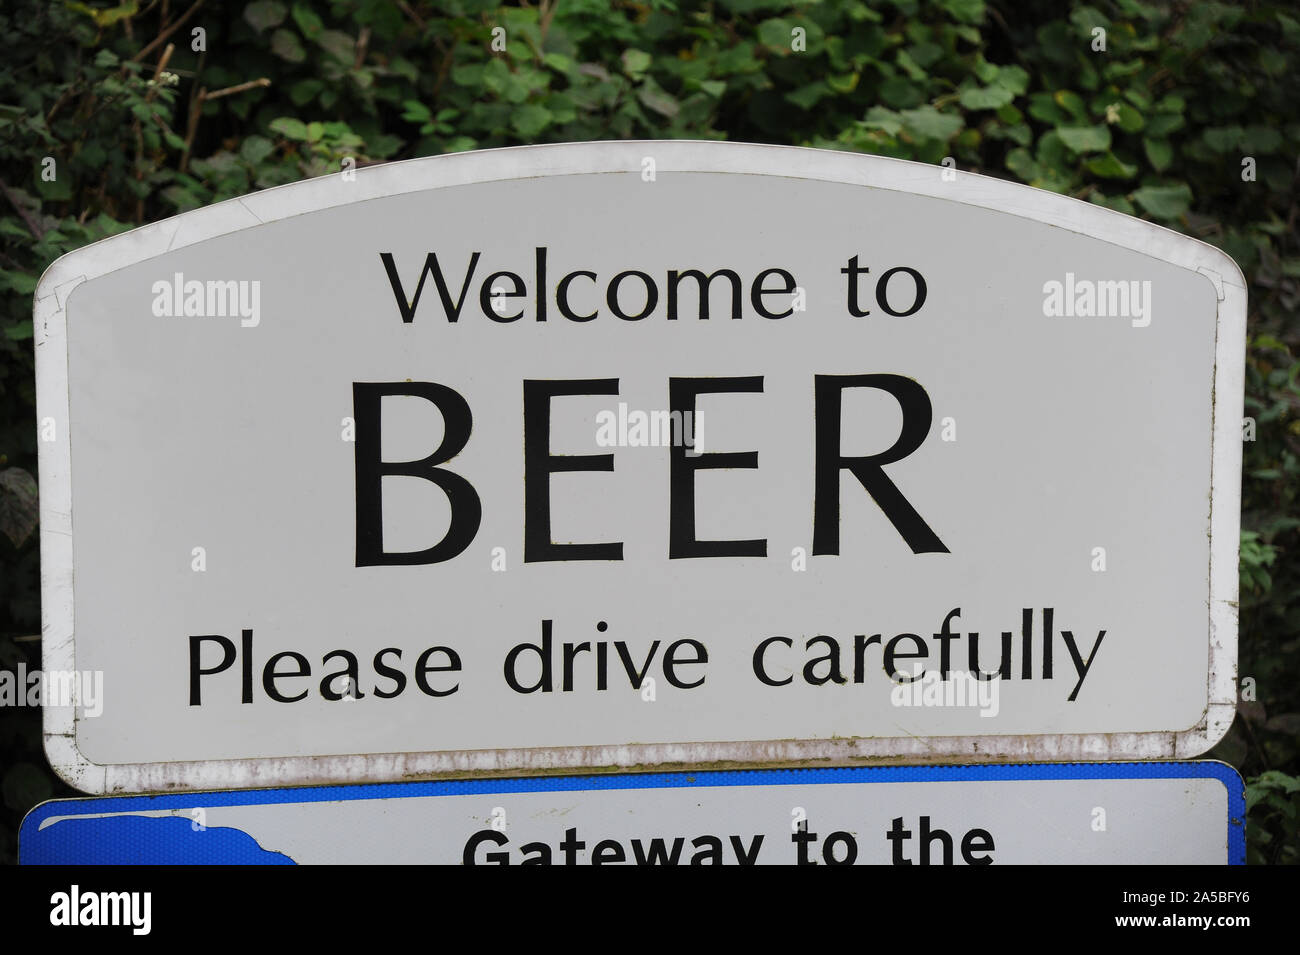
(1156, 125)
(1265, 741)
(1272, 801)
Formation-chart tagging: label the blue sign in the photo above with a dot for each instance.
(1077, 813)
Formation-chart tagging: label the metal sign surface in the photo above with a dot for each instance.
(635, 454)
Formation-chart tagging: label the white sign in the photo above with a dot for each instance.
(551, 458)
(1127, 813)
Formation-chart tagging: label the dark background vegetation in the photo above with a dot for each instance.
(1157, 126)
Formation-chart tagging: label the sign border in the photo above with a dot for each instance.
(36, 817)
(671, 156)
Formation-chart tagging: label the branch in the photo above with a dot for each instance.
(547, 14)
(161, 37)
(162, 65)
(32, 225)
(196, 109)
(411, 14)
(66, 95)
(238, 88)
(443, 69)
(139, 132)
(362, 42)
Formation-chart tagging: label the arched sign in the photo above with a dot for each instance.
(635, 454)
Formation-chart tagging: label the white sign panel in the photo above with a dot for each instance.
(1147, 813)
(627, 454)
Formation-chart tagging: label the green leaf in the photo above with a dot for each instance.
(901, 93)
(1022, 164)
(308, 22)
(911, 67)
(1138, 98)
(1159, 153)
(106, 18)
(286, 45)
(1020, 134)
(495, 76)
(1162, 124)
(1276, 779)
(636, 62)
(1072, 103)
(19, 506)
(965, 11)
(1013, 78)
(558, 62)
(928, 123)
(1053, 158)
(925, 55)
(289, 128)
(775, 34)
(381, 146)
(990, 97)
(654, 97)
(304, 91)
(338, 45)
(845, 83)
(1130, 120)
(1164, 202)
(58, 190)
(256, 148)
(413, 111)
(530, 119)
(1118, 203)
(1085, 139)
(1109, 167)
(23, 330)
(470, 74)
(884, 119)
(264, 14)
(1271, 61)
(1043, 107)
(1223, 139)
(1261, 139)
